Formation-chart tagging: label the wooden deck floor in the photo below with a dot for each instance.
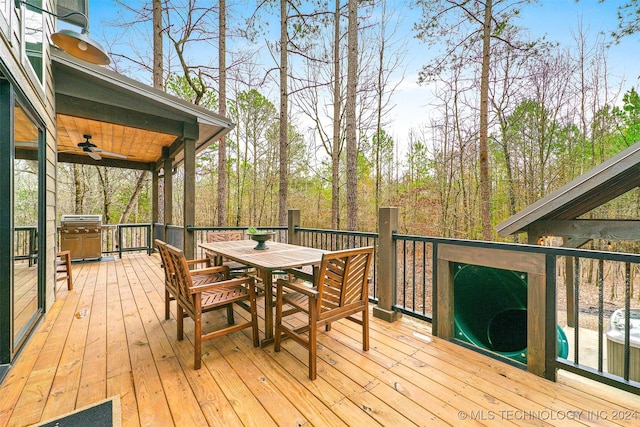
(108, 337)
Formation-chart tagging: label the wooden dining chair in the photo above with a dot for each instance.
(226, 236)
(340, 290)
(196, 298)
(203, 274)
(63, 268)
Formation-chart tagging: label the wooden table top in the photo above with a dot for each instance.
(278, 256)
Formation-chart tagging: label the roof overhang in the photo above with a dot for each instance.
(125, 116)
(602, 183)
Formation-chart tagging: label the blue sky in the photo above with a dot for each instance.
(558, 19)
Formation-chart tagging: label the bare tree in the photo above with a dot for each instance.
(284, 113)
(350, 114)
(487, 20)
(336, 142)
(222, 107)
(485, 193)
(79, 186)
(158, 56)
(140, 183)
(387, 63)
(105, 186)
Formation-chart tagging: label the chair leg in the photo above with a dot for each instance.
(365, 329)
(167, 303)
(67, 262)
(278, 325)
(313, 334)
(230, 319)
(179, 321)
(254, 314)
(197, 342)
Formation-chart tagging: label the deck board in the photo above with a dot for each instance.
(108, 336)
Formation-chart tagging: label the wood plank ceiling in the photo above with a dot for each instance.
(137, 144)
(126, 117)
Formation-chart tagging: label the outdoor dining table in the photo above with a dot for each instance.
(278, 257)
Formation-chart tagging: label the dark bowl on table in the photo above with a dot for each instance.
(261, 238)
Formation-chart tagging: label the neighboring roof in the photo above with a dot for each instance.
(95, 93)
(599, 185)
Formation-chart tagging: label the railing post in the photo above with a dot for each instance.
(189, 196)
(549, 370)
(119, 241)
(293, 222)
(149, 240)
(386, 274)
(168, 192)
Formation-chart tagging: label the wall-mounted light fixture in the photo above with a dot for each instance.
(77, 44)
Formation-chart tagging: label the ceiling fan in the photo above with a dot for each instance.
(94, 151)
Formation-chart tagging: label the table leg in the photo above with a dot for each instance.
(267, 280)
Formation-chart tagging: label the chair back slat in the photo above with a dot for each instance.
(181, 273)
(343, 279)
(355, 287)
(168, 265)
(225, 235)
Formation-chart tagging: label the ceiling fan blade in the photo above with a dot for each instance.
(108, 153)
(116, 155)
(94, 156)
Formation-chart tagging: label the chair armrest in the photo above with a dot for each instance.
(210, 270)
(297, 287)
(300, 274)
(222, 284)
(205, 261)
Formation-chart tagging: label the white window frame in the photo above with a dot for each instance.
(26, 61)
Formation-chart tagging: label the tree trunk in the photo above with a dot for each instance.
(158, 63)
(79, 188)
(485, 194)
(337, 125)
(379, 94)
(284, 114)
(222, 102)
(158, 83)
(350, 115)
(142, 180)
(103, 173)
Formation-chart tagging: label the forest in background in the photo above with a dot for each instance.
(553, 112)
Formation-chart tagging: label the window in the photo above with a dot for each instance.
(27, 139)
(34, 36)
(4, 18)
(22, 220)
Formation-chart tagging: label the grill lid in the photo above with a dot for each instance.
(80, 220)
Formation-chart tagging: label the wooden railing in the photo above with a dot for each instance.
(25, 243)
(120, 238)
(415, 276)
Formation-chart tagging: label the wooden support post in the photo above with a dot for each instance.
(168, 194)
(537, 324)
(293, 222)
(444, 300)
(189, 207)
(155, 196)
(386, 265)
